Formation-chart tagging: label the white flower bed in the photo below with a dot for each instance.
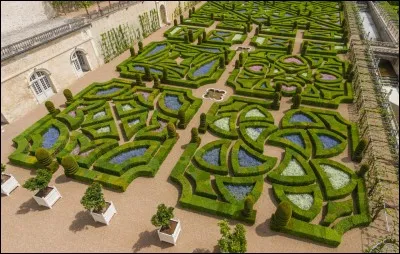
(175, 30)
(338, 47)
(304, 201)
(293, 169)
(260, 40)
(337, 177)
(126, 107)
(254, 113)
(237, 37)
(223, 123)
(254, 133)
(103, 129)
(99, 115)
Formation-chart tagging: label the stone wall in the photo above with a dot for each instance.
(29, 12)
(17, 97)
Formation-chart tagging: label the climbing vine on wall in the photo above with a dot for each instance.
(187, 5)
(148, 27)
(117, 40)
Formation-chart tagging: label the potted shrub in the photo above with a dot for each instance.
(232, 242)
(169, 228)
(8, 182)
(47, 195)
(93, 200)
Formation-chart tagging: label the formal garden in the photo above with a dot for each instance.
(113, 132)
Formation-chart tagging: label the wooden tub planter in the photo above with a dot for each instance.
(47, 197)
(8, 184)
(106, 216)
(170, 235)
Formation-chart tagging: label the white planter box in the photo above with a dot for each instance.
(8, 186)
(170, 238)
(50, 199)
(105, 217)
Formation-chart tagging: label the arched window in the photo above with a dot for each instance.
(41, 85)
(79, 61)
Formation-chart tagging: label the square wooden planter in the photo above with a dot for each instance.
(50, 199)
(106, 216)
(9, 185)
(170, 238)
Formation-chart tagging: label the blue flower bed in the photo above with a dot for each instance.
(300, 118)
(220, 33)
(247, 160)
(213, 50)
(212, 156)
(261, 19)
(120, 158)
(239, 192)
(216, 39)
(156, 49)
(172, 102)
(108, 91)
(50, 137)
(204, 69)
(328, 141)
(296, 138)
(152, 70)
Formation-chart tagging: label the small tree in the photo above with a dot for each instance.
(296, 99)
(132, 51)
(93, 198)
(259, 27)
(199, 40)
(222, 17)
(70, 165)
(39, 182)
(309, 13)
(138, 79)
(163, 216)
(203, 123)
(171, 130)
(357, 157)
(68, 95)
(237, 65)
(232, 242)
(248, 206)
(140, 44)
(282, 215)
(257, 31)
(181, 19)
(195, 136)
(50, 107)
(308, 25)
(175, 22)
(268, 21)
(190, 33)
(294, 25)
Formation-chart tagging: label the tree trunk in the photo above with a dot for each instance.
(87, 12)
(98, 6)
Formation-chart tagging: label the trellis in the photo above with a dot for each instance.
(145, 20)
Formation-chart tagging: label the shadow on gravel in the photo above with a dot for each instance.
(83, 219)
(204, 250)
(263, 229)
(30, 206)
(62, 179)
(147, 239)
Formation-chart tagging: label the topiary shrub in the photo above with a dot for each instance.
(191, 36)
(93, 199)
(156, 82)
(244, 30)
(195, 136)
(186, 38)
(203, 123)
(232, 242)
(165, 75)
(363, 169)
(248, 205)
(212, 16)
(282, 215)
(299, 90)
(278, 87)
(193, 9)
(70, 165)
(199, 40)
(140, 44)
(259, 27)
(241, 59)
(175, 22)
(132, 51)
(182, 118)
(308, 25)
(147, 74)
(226, 57)
(3, 167)
(43, 156)
(294, 25)
(138, 79)
(357, 156)
(257, 31)
(268, 21)
(290, 47)
(296, 99)
(181, 19)
(237, 65)
(190, 13)
(68, 95)
(39, 182)
(204, 36)
(171, 130)
(163, 216)
(248, 27)
(275, 103)
(50, 107)
(221, 62)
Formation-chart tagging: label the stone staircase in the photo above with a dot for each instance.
(389, 81)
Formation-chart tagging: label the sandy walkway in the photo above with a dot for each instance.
(67, 227)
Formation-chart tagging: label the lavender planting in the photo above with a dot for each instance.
(50, 137)
(127, 155)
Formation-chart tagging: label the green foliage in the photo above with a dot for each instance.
(221, 62)
(171, 130)
(296, 99)
(132, 51)
(43, 156)
(234, 242)
(93, 198)
(237, 64)
(195, 136)
(181, 118)
(175, 22)
(357, 157)
(163, 216)
(68, 95)
(186, 38)
(248, 205)
(257, 29)
(181, 19)
(3, 167)
(199, 40)
(190, 33)
(147, 74)
(140, 44)
(40, 182)
(50, 107)
(203, 123)
(138, 79)
(165, 75)
(282, 215)
(156, 82)
(70, 165)
(276, 99)
(190, 13)
(363, 169)
(278, 87)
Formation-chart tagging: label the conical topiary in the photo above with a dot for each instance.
(275, 102)
(181, 18)
(363, 169)
(296, 99)
(282, 215)
(50, 107)
(165, 75)
(171, 130)
(140, 44)
(190, 33)
(357, 157)
(199, 39)
(182, 118)
(70, 165)
(195, 136)
(138, 79)
(175, 22)
(186, 38)
(132, 51)
(237, 65)
(43, 156)
(156, 82)
(203, 123)
(248, 206)
(68, 95)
